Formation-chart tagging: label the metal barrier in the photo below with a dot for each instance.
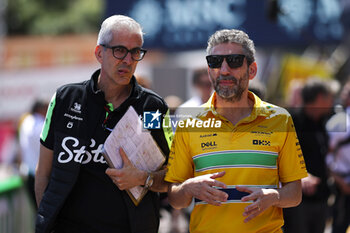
(16, 211)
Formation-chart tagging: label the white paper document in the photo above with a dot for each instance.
(138, 145)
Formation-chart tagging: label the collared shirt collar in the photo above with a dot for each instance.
(260, 107)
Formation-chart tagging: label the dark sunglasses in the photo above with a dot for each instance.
(233, 60)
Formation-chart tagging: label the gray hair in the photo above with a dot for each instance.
(115, 22)
(233, 36)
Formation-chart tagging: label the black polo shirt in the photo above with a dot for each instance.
(94, 204)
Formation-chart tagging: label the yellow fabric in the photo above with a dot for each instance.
(267, 133)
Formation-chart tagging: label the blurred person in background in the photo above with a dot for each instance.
(202, 91)
(338, 161)
(294, 98)
(202, 88)
(226, 169)
(144, 81)
(75, 189)
(29, 142)
(173, 102)
(258, 88)
(309, 120)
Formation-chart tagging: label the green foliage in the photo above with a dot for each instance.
(53, 17)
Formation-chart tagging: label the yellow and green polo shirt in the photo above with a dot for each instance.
(261, 150)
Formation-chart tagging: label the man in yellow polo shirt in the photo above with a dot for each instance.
(239, 158)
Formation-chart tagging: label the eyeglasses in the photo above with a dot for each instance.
(120, 52)
(233, 60)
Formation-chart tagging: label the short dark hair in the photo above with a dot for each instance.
(39, 105)
(312, 89)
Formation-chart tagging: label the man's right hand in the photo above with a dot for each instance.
(203, 188)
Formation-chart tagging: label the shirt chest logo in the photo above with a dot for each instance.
(72, 150)
(76, 107)
(261, 142)
(209, 145)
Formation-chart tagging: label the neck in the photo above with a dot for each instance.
(205, 98)
(115, 94)
(236, 110)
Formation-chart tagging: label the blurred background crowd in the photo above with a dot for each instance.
(303, 56)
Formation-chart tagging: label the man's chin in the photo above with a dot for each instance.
(229, 97)
(123, 80)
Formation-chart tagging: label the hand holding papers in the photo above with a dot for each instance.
(139, 146)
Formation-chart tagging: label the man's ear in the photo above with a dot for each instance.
(98, 53)
(252, 70)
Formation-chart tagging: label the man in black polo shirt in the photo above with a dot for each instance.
(73, 191)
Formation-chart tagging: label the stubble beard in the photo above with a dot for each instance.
(231, 93)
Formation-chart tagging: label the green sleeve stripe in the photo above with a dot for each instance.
(45, 130)
(168, 131)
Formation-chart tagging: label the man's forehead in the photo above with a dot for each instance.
(125, 36)
(226, 48)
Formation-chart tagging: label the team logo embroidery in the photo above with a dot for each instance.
(76, 107)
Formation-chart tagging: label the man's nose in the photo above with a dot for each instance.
(225, 69)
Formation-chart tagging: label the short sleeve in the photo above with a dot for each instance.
(180, 164)
(47, 135)
(291, 164)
